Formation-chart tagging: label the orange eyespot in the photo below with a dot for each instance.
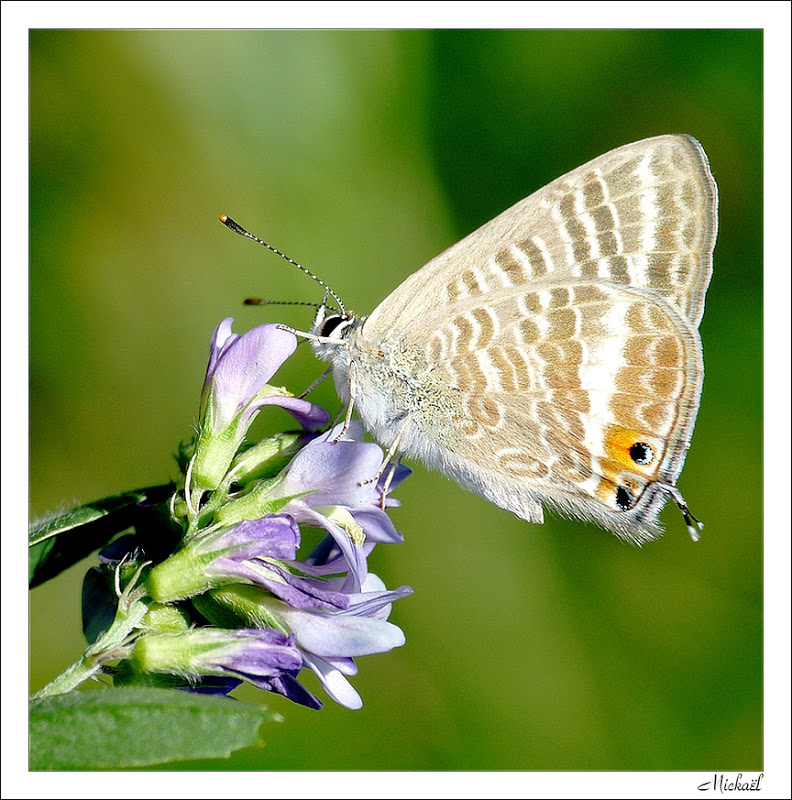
(626, 453)
(629, 449)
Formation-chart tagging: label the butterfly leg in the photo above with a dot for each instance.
(390, 458)
(388, 480)
(348, 417)
(315, 383)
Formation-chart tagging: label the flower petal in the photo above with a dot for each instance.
(376, 525)
(354, 555)
(339, 634)
(310, 416)
(334, 683)
(375, 604)
(291, 688)
(245, 366)
(337, 473)
(258, 653)
(221, 339)
(275, 536)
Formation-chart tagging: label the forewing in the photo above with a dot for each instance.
(643, 215)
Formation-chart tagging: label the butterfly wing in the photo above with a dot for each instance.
(552, 356)
(643, 215)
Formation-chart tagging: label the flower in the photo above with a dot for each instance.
(248, 575)
(257, 656)
(328, 484)
(258, 552)
(243, 571)
(211, 588)
(344, 500)
(327, 638)
(235, 388)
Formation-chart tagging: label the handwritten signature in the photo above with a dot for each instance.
(721, 783)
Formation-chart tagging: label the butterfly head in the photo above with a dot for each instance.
(330, 329)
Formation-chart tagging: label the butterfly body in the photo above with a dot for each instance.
(552, 357)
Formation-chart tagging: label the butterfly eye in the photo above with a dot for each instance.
(641, 453)
(331, 324)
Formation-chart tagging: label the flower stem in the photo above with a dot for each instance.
(110, 646)
(71, 677)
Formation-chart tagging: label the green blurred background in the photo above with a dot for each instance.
(363, 154)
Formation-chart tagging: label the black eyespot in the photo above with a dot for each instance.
(624, 499)
(330, 323)
(641, 453)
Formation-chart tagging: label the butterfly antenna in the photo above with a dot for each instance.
(694, 525)
(263, 301)
(237, 228)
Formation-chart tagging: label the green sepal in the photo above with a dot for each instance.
(266, 458)
(257, 502)
(238, 606)
(165, 618)
(216, 613)
(176, 653)
(214, 451)
(126, 675)
(184, 575)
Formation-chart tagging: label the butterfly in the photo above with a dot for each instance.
(551, 358)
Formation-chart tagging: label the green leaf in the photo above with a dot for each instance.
(61, 540)
(115, 728)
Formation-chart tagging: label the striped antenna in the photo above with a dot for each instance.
(237, 228)
(264, 301)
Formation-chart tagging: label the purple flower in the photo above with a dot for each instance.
(211, 587)
(238, 563)
(309, 600)
(256, 656)
(241, 366)
(259, 552)
(371, 515)
(235, 388)
(329, 639)
(329, 485)
(263, 552)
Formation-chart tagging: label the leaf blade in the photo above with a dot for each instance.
(118, 728)
(59, 541)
